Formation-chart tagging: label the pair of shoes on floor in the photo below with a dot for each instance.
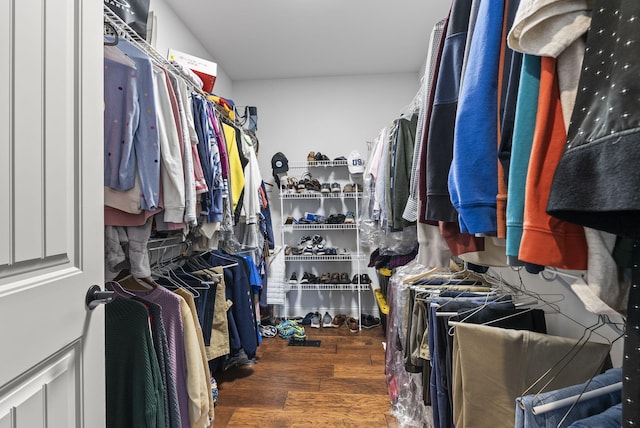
(353, 324)
(289, 329)
(369, 321)
(268, 330)
(314, 320)
(237, 360)
(307, 318)
(325, 321)
(338, 321)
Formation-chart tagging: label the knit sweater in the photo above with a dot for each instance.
(172, 320)
(134, 390)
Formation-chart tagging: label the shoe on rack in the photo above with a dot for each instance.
(352, 323)
(315, 320)
(344, 278)
(314, 185)
(335, 188)
(336, 219)
(349, 218)
(311, 157)
(356, 279)
(330, 251)
(325, 278)
(325, 188)
(335, 278)
(326, 320)
(357, 188)
(293, 279)
(348, 188)
(308, 250)
(289, 220)
(338, 321)
(305, 278)
(369, 321)
(364, 279)
(304, 240)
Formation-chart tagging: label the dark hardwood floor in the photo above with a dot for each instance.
(339, 384)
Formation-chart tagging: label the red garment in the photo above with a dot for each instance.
(546, 240)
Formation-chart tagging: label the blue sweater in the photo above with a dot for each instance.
(473, 177)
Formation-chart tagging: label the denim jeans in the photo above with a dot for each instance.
(525, 418)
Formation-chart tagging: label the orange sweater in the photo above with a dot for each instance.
(546, 240)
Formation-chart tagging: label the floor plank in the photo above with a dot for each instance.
(339, 384)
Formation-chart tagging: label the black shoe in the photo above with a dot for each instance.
(293, 279)
(305, 278)
(355, 279)
(369, 321)
(364, 279)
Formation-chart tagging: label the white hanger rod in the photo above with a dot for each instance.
(544, 408)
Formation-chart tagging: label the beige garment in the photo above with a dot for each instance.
(492, 366)
(547, 27)
(494, 253)
(433, 250)
(605, 291)
(569, 66)
(219, 344)
(209, 415)
(198, 383)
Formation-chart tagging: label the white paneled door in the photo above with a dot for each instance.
(51, 245)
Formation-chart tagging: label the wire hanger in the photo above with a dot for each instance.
(116, 36)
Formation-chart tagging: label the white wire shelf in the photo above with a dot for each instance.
(317, 164)
(320, 226)
(330, 287)
(321, 258)
(318, 195)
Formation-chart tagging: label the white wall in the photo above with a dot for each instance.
(331, 115)
(172, 33)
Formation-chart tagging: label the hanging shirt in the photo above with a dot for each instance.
(172, 172)
(146, 147)
(235, 165)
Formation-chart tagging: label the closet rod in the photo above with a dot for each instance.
(547, 407)
(142, 44)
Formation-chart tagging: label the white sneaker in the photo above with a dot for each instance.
(327, 320)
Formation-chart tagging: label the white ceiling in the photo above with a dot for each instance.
(271, 39)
